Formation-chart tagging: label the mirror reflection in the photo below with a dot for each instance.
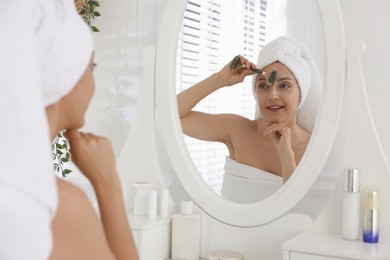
(248, 94)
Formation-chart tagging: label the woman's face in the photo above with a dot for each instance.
(279, 101)
(75, 104)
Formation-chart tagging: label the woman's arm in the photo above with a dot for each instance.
(202, 125)
(94, 156)
(114, 218)
(281, 137)
(225, 77)
(187, 99)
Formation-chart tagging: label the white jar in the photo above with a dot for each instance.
(186, 233)
(225, 255)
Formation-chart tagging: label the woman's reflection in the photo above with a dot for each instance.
(264, 152)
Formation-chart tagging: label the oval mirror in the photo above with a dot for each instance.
(210, 33)
(238, 15)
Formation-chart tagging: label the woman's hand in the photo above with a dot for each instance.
(93, 155)
(281, 138)
(231, 76)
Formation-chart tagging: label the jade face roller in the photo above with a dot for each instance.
(269, 75)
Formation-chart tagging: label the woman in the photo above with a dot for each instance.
(270, 146)
(68, 86)
(77, 231)
(46, 52)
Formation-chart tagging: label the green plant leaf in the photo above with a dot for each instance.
(96, 3)
(96, 13)
(94, 29)
(65, 172)
(64, 160)
(59, 152)
(82, 12)
(87, 21)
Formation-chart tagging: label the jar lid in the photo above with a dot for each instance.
(371, 197)
(186, 207)
(225, 255)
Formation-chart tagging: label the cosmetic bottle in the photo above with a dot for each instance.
(186, 233)
(164, 203)
(152, 204)
(351, 205)
(141, 198)
(371, 215)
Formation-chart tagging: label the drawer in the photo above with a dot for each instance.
(305, 256)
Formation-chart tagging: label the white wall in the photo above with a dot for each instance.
(370, 21)
(125, 28)
(361, 148)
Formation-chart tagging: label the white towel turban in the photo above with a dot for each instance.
(67, 59)
(44, 49)
(295, 56)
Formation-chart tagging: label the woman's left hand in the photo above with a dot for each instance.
(281, 136)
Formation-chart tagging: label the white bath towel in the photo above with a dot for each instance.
(29, 30)
(296, 57)
(246, 184)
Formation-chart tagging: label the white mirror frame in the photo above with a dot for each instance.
(263, 212)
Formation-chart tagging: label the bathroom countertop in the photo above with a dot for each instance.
(332, 245)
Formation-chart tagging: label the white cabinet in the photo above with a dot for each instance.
(151, 237)
(305, 256)
(322, 246)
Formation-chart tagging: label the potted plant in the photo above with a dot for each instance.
(87, 10)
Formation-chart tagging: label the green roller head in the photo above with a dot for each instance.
(272, 77)
(234, 63)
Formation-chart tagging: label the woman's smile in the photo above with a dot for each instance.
(275, 108)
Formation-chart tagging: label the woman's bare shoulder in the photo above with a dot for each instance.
(241, 124)
(301, 140)
(234, 118)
